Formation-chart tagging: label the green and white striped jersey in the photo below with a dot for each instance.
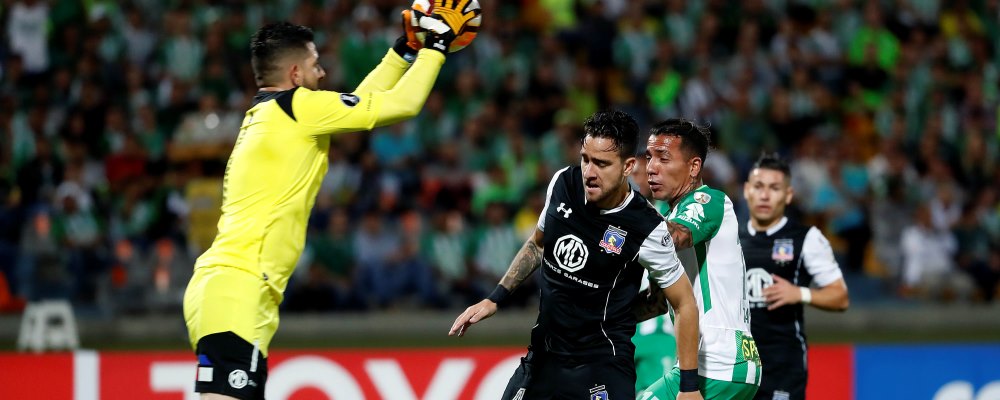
(726, 351)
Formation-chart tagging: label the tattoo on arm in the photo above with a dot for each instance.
(647, 305)
(525, 262)
(681, 235)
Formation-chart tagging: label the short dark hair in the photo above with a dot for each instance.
(272, 43)
(773, 161)
(696, 140)
(616, 125)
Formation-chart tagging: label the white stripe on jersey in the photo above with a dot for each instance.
(548, 197)
(606, 301)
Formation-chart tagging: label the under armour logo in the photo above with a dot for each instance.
(566, 211)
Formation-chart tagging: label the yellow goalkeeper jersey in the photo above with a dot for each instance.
(280, 158)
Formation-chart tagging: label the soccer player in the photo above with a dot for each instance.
(784, 258)
(594, 237)
(704, 229)
(271, 181)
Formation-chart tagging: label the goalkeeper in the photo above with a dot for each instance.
(271, 181)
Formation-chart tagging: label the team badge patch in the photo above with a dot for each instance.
(350, 99)
(613, 240)
(783, 251)
(702, 197)
(599, 393)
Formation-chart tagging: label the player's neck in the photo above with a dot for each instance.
(691, 186)
(281, 87)
(763, 226)
(616, 199)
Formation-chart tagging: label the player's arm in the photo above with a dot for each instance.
(658, 255)
(388, 72)
(332, 113)
(696, 221)
(831, 293)
(681, 298)
(681, 235)
(325, 112)
(525, 262)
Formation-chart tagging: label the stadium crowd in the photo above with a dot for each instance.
(117, 118)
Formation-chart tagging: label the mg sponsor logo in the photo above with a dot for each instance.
(570, 253)
(757, 280)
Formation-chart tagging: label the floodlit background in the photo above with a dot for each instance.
(117, 118)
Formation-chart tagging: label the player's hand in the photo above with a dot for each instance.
(410, 25)
(475, 313)
(695, 395)
(456, 13)
(781, 292)
(439, 34)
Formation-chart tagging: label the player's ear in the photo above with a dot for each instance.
(746, 191)
(295, 74)
(694, 167)
(629, 166)
(789, 194)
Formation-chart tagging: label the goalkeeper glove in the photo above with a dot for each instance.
(463, 18)
(439, 34)
(456, 13)
(421, 29)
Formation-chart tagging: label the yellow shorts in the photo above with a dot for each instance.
(220, 299)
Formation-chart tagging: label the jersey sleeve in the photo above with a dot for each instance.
(548, 198)
(385, 75)
(324, 112)
(658, 256)
(818, 258)
(701, 212)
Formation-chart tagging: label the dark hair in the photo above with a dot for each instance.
(773, 161)
(272, 43)
(696, 140)
(616, 125)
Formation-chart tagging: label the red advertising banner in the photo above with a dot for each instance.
(438, 374)
(831, 373)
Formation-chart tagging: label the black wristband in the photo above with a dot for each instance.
(499, 295)
(404, 50)
(689, 380)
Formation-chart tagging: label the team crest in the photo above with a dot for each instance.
(599, 393)
(702, 197)
(613, 240)
(783, 251)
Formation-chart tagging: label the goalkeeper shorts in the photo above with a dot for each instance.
(224, 299)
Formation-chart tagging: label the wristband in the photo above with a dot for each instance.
(807, 295)
(689, 380)
(404, 50)
(499, 294)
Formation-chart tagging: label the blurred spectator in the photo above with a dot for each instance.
(448, 249)
(494, 247)
(928, 269)
(28, 34)
(332, 280)
(974, 253)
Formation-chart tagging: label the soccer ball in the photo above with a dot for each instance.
(464, 35)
